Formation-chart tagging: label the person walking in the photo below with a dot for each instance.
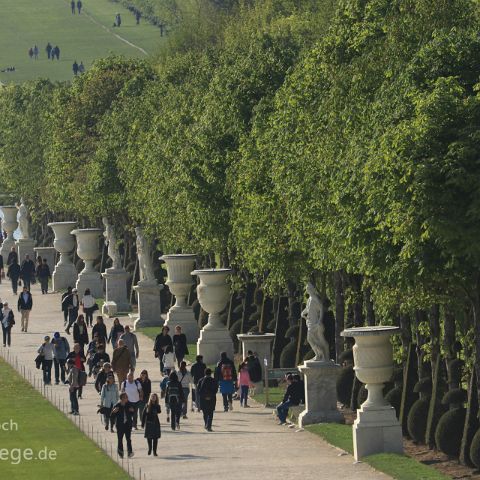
(98, 359)
(174, 397)
(75, 68)
(138, 15)
(207, 392)
(81, 68)
(169, 360)
(2, 273)
(60, 352)
(71, 303)
(73, 380)
(79, 6)
(121, 361)
(13, 273)
(198, 372)
(122, 418)
(35, 52)
(8, 321)
(180, 346)
(64, 305)
(100, 330)
(244, 384)
(12, 256)
(151, 423)
(131, 342)
(133, 388)
(146, 389)
(46, 351)
(27, 271)
(30, 52)
(24, 305)
(226, 376)
(186, 380)
(48, 49)
(80, 332)
(118, 20)
(115, 333)
(89, 306)
(43, 274)
(102, 376)
(162, 341)
(72, 6)
(79, 360)
(56, 51)
(108, 398)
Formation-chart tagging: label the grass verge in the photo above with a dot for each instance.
(47, 433)
(400, 467)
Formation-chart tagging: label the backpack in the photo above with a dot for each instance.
(226, 370)
(173, 394)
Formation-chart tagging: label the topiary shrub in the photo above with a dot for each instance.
(346, 357)
(475, 449)
(234, 331)
(394, 398)
(344, 385)
(471, 421)
(292, 332)
(417, 420)
(455, 398)
(448, 435)
(287, 357)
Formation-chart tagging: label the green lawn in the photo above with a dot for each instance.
(399, 467)
(84, 37)
(275, 396)
(42, 428)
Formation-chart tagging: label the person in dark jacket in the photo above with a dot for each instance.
(64, 304)
(226, 376)
(162, 341)
(207, 392)
(151, 423)
(175, 398)
(27, 271)
(72, 304)
(80, 332)
(101, 330)
(99, 358)
(24, 305)
(115, 333)
(198, 372)
(102, 376)
(13, 273)
(146, 389)
(43, 274)
(122, 417)
(1, 267)
(7, 321)
(180, 347)
(12, 256)
(291, 398)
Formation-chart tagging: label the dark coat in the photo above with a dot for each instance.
(27, 269)
(198, 371)
(207, 389)
(146, 388)
(13, 271)
(12, 256)
(180, 345)
(174, 387)
(77, 336)
(151, 423)
(43, 271)
(1, 262)
(161, 343)
(101, 329)
(125, 413)
(25, 305)
(115, 332)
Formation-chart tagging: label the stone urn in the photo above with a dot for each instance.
(88, 249)
(180, 282)
(9, 224)
(376, 428)
(213, 293)
(65, 273)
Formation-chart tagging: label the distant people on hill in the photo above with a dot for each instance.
(81, 68)
(79, 6)
(5, 70)
(48, 49)
(30, 52)
(55, 53)
(75, 68)
(72, 6)
(35, 52)
(118, 20)
(138, 15)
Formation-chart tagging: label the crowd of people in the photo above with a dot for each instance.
(128, 401)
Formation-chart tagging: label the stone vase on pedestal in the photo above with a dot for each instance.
(9, 225)
(149, 307)
(25, 247)
(48, 253)
(65, 274)
(180, 282)
(376, 429)
(88, 249)
(320, 393)
(261, 344)
(213, 294)
(116, 299)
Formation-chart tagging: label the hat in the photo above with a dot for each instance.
(46, 337)
(56, 335)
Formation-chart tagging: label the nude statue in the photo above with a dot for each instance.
(111, 241)
(313, 315)
(144, 256)
(23, 222)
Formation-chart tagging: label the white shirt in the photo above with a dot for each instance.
(132, 390)
(88, 301)
(186, 379)
(5, 313)
(169, 360)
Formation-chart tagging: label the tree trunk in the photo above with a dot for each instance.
(420, 317)
(434, 320)
(339, 313)
(358, 319)
(405, 333)
(369, 307)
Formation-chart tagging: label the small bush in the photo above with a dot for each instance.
(394, 398)
(287, 357)
(417, 420)
(475, 449)
(448, 435)
(456, 396)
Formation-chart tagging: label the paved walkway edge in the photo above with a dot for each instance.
(88, 429)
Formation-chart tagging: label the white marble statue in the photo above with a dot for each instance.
(144, 256)
(23, 222)
(313, 315)
(111, 241)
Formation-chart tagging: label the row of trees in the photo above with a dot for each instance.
(323, 140)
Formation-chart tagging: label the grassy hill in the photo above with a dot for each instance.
(84, 37)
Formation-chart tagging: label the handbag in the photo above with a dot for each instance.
(82, 378)
(95, 307)
(39, 360)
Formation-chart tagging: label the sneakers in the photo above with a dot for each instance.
(168, 419)
(155, 454)
(120, 453)
(130, 454)
(184, 417)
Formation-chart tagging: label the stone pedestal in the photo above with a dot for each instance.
(25, 247)
(213, 293)
(9, 224)
(320, 393)
(261, 344)
(46, 252)
(88, 249)
(376, 429)
(65, 274)
(149, 311)
(116, 299)
(180, 282)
